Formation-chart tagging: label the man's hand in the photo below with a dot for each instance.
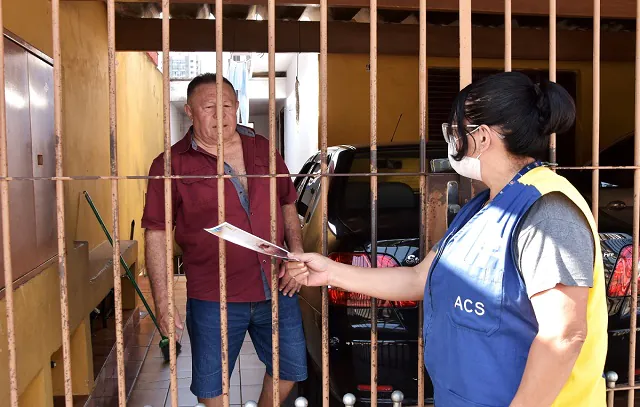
(288, 285)
(162, 315)
(311, 269)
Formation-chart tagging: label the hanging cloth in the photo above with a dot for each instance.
(239, 77)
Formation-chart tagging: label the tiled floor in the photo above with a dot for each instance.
(147, 375)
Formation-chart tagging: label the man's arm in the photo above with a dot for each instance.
(156, 266)
(292, 229)
(293, 238)
(154, 243)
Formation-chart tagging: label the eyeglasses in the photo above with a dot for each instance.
(450, 132)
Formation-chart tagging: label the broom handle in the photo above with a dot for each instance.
(123, 263)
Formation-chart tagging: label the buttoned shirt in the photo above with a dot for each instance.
(195, 207)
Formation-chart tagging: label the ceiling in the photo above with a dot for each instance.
(356, 14)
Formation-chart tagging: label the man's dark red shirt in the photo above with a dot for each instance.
(195, 207)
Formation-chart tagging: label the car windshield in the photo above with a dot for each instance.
(398, 194)
(618, 154)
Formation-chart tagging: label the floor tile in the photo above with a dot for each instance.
(252, 376)
(156, 366)
(247, 348)
(184, 383)
(183, 363)
(250, 362)
(105, 387)
(144, 328)
(155, 352)
(161, 384)
(140, 340)
(235, 377)
(135, 353)
(141, 398)
(154, 376)
(102, 402)
(185, 398)
(251, 393)
(235, 395)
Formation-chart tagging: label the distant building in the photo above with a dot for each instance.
(184, 65)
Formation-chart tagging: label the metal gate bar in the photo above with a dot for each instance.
(424, 220)
(507, 36)
(222, 265)
(62, 250)
(552, 66)
(636, 222)
(168, 209)
(324, 191)
(274, 202)
(114, 177)
(595, 138)
(373, 145)
(6, 234)
(466, 64)
(113, 151)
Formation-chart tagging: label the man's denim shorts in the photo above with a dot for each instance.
(203, 324)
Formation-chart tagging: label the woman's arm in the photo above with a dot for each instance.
(562, 318)
(394, 284)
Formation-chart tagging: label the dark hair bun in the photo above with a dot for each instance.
(556, 108)
(523, 112)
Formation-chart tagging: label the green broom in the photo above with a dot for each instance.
(164, 342)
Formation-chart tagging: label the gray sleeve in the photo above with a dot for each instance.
(554, 245)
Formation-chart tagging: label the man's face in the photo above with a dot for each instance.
(201, 109)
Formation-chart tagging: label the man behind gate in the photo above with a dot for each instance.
(247, 202)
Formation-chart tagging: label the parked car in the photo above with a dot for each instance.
(398, 244)
(616, 186)
(615, 212)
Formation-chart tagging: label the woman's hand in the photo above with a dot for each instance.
(311, 269)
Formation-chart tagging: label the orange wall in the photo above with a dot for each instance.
(85, 130)
(348, 98)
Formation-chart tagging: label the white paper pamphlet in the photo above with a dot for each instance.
(238, 236)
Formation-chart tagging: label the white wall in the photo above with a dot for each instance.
(260, 124)
(176, 124)
(301, 138)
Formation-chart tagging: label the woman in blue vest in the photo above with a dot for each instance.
(514, 298)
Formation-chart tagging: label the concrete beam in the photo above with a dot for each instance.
(353, 38)
(567, 8)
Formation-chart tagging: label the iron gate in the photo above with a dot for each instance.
(465, 53)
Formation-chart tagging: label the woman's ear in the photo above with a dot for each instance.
(483, 139)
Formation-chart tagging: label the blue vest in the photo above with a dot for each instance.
(478, 320)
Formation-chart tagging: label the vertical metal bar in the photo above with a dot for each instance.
(636, 222)
(168, 210)
(552, 67)
(373, 107)
(324, 191)
(222, 265)
(424, 224)
(465, 43)
(62, 250)
(595, 141)
(113, 151)
(507, 36)
(273, 213)
(6, 233)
